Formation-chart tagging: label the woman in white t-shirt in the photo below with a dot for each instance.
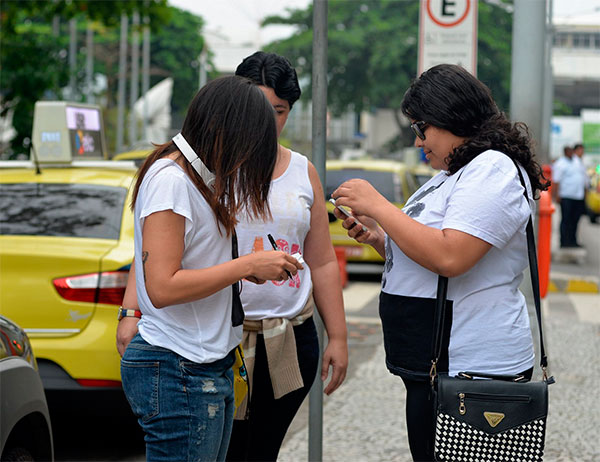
(467, 223)
(282, 368)
(176, 372)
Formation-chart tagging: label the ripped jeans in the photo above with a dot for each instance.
(184, 408)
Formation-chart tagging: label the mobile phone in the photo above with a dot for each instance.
(345, 211)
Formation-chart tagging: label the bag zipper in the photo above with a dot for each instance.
(462, 409)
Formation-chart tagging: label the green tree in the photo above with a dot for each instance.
(33, 61)
(174, 50)
(372, 52)
(31, 67)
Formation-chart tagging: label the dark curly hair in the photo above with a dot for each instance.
(448, 97)
(273, 71)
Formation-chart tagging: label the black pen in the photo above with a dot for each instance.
(274, 245)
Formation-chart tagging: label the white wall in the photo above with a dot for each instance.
(379, 127)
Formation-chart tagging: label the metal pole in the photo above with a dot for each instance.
(55, 25)
(527, 75)
(146, 74)
(319, 151)
(72, 56)
(135, 76)
(544, 154)
(202, 61)
(89, 64)
(122, 75)
(526, 93)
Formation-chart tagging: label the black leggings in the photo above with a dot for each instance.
(260, 437)
(420, 417)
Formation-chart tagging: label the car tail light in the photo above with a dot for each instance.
(99, 383)
(107, 287)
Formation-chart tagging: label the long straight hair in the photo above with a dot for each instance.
(231, 126)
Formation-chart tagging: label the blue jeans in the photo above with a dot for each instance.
(184, 408)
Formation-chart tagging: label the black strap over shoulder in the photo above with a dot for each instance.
(535, 282)
(237, 310)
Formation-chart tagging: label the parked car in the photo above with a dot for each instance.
(138, 156)
(393, 179)
(66, 245)
(25, 430)
(592, 197)
(423, 173)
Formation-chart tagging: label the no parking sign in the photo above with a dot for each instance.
(448, 34)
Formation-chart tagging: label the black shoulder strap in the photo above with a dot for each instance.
(535, 282)
(535, 278)
(237, 310)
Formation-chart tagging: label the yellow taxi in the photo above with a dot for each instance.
(393, 179)
(592, 195)
(423, 173)
(66, 243)
(138, 156)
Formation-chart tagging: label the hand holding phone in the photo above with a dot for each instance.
(345, 211)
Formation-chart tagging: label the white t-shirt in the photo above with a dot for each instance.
(200, 331)
(290, 199)
(570, 176)
(490, 325)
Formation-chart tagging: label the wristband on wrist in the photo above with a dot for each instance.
(129, 313)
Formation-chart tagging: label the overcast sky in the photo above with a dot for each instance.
(239, 20)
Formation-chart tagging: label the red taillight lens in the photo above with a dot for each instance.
(107, 287)
(99, 383)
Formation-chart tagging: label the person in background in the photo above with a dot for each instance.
(282, 367)
(176, 372)
(467, 223)
(579, 151)
(570, 179)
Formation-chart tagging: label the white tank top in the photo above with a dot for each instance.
(290, 199)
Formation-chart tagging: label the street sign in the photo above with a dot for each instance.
(448, 34)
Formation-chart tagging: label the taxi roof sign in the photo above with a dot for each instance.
(64, 131)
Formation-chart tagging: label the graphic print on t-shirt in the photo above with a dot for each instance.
(415, 207)
(284, 246)
(389, 260)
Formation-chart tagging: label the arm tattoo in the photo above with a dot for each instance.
(144, 258)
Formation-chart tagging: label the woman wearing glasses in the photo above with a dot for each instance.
(467, 223)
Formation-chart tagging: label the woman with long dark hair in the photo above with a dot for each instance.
(467, 223)
(176, 372)
(280, 340)
(282, 372)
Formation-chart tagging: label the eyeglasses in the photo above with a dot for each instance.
(418, 129)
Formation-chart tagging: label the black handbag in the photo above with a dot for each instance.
(483, 417)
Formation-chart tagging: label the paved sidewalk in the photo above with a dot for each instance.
(364, 419)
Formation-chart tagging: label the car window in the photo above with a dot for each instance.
(422, 179)
(387, 183)
(72, 210)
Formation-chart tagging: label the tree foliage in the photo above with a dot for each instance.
(372, 51)
(33, 57)
(31, 67)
